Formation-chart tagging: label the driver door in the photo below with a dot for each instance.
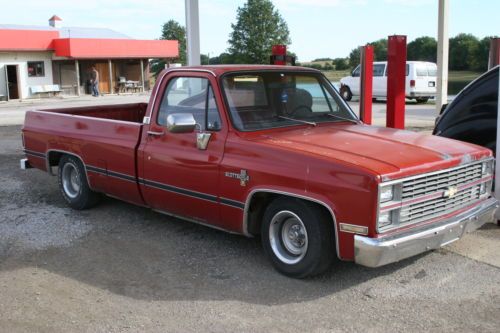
(177, 176)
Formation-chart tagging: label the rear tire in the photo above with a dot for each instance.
(346, 93)
(298, 237)
(73, 184)
(422, 100)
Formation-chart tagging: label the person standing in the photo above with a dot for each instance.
(94, 80)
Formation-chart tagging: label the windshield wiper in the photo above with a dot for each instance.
(298, 120)
(342, 118)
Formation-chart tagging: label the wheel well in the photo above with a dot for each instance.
(54, 158)
(261, 200)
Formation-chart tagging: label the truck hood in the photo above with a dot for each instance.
(385, 151)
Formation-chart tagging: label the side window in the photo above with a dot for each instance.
(378, 69)
(356, 72)
(407, 69)
(190, 95)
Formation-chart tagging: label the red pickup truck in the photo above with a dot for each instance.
(269, 151)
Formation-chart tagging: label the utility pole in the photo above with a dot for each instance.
(442, 55)
(193, 32)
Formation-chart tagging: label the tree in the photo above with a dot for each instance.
(204, 59)
(423, 49)
(379, 49)
(340, 64)
(258, 27)
(379, 52)
(354, 57)
(171, 30)
(463, 49)
(481, 55)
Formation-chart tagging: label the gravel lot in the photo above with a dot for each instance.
(121, 268)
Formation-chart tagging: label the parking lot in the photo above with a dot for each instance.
(122, 268)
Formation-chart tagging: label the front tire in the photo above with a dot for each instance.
(73, 184)
(346, 93)
(298, 237)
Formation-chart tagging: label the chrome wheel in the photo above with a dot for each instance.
(288, 237)
(71, 180)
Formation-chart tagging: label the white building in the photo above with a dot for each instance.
(39, 60)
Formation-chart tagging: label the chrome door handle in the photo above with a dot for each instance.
(152, 133)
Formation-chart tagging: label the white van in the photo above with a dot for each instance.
(420, 81)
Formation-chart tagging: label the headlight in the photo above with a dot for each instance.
(487, 168)
(388, 218)
(485, 188)
(389, 210)
(384, 219)
(386, 193)
(482, 189)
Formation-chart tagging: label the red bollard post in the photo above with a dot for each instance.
(278, 55)
(396, 77)
(365, 100)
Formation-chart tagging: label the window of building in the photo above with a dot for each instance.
(36, 68)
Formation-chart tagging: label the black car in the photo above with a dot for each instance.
(472, 115)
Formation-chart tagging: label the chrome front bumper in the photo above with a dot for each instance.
(375, 252)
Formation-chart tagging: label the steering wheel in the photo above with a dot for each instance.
(301, 110)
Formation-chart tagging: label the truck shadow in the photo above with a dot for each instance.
(137, 253)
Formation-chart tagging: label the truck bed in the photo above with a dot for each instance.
(133, 112)
(102, 137)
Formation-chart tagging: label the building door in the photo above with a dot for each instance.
(12, 80)
(103, 70)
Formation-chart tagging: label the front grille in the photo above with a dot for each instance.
(438, 183)
(439, 206)
(441, 181)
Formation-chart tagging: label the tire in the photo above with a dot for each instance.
(422, 100)
(73, 184)
(309, 248)
(346, 93)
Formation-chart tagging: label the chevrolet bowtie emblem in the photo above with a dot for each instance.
(242, 176)
(450, 192)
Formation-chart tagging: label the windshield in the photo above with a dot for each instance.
(264, 100)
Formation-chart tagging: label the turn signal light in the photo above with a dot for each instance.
(412, 83)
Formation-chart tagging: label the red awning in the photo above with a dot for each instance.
(27, 40)
(89, 48)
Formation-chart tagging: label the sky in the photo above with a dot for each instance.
(318, 28)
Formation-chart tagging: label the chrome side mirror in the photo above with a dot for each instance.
(181, 123)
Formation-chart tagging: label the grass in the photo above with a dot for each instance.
(454, 76)
(335, 76)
